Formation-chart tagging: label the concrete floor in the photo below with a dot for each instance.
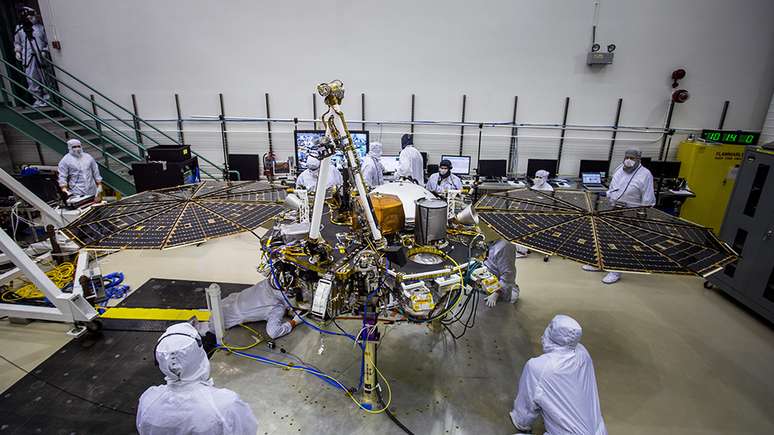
(670, 356)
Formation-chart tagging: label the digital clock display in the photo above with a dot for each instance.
(737, 137)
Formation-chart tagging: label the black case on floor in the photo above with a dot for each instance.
(158, 175)
(170, 153)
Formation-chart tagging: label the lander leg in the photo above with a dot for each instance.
(370, 381)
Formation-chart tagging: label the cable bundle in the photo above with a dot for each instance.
(61, 276)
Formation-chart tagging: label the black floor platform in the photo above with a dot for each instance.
(175, 293)
(112, 368)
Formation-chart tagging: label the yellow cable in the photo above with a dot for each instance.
(256, 340)
(61, 276)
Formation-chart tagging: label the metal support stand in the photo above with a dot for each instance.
(68, 307)
(216, 312)
(370, 381)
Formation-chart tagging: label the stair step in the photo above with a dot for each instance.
(34, 114)
(127, 159)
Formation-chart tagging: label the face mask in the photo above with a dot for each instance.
(76, 151)
(539, 181)
(629, 163)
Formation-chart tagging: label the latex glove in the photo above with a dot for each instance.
(296, 320)
(18, 56)
(99, 187)
(491, 300)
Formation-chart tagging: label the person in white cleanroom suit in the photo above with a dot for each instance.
(371, 167)
(254, 304)
(189, 403)
(501, 261)
(443, 180)
(631, 186)
(560, 385)
(308, 179)
(78, 172)
(30, 45)
(410, 163)
(540, 182)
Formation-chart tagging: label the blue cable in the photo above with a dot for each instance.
(309, 370)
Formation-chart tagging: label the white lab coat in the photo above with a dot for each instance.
(373, 171)
(632, 189)
(560, 385)
(545, 187)
(254, 304)
(436, 184)
(189, 403)
(501, 261)
(411, 165)
(79, 174)
(308, 179)
(29, 47)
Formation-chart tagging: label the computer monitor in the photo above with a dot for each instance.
(492, 168)
(534, 165)
(591, 177)
(460, 164)
(599, 166)
(305, 141)
(664, 169)
(390, 163)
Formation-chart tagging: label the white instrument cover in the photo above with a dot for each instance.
(408, 193)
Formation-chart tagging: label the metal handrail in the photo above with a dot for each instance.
(59, 68)
(45, 115)
(141, 120)
(81, 109)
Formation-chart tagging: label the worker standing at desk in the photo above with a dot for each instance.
(631, 186)
(540, 182)
(444, 179)
(411, 165)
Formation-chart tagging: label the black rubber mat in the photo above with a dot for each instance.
(112, 368)
(175, 293)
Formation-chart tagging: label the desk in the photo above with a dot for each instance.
(670, 201)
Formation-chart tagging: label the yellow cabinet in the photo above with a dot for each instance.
(710, 171)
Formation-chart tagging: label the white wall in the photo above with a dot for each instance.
(435, 49)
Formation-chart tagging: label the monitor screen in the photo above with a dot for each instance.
(534, 165)
(390, 163)
(600, 166)
(306, 139)
(591, 177)
(492, 168)
(664, 169)
(460, 164)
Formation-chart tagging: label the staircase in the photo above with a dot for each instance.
(75, 111)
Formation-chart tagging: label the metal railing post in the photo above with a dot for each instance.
(99, 129)
(224, 139)
(136, 120)
(180, 135)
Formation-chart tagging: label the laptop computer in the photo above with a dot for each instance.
(592, 181)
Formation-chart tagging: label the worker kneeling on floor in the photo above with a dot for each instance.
(255, 304)
(189, 403)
